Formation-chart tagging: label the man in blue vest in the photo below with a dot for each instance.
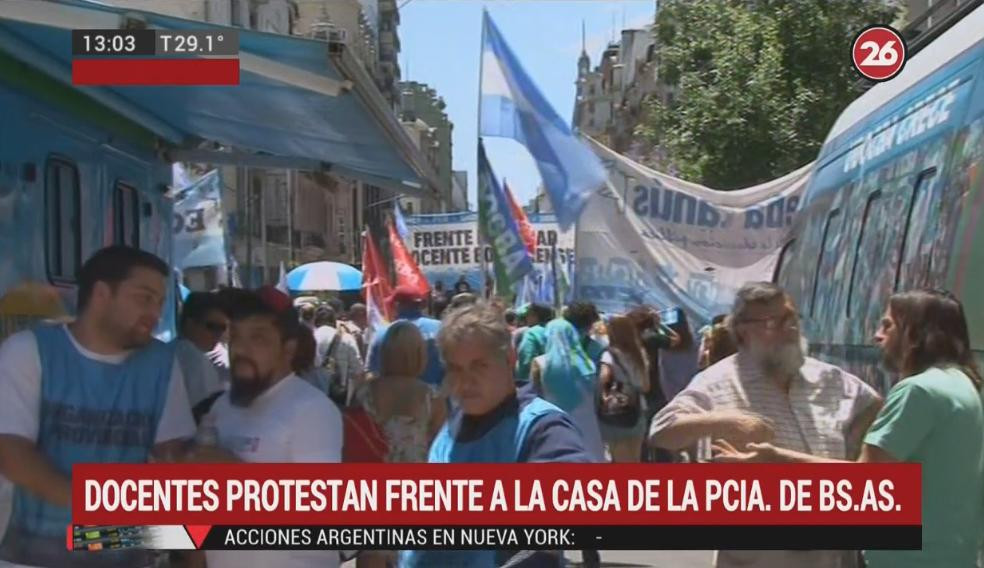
(98, 390)
(409, 304)
(493, 421)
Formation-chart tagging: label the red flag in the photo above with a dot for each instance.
(526, 230)
(375, 278)
(407, 271)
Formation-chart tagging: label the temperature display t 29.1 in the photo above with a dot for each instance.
(211, 42)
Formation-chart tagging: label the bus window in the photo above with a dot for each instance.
(62, 199)
(785, 256)
(827, 262)
(126, 215)
(919, 223)
(868, 207)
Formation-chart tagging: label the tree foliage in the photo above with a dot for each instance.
(758, 83)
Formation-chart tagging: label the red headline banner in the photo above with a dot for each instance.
(497, 494)
(142, 71)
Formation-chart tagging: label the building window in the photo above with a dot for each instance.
(236, 12)
(126, 215)
(63, 235)
(409, 208)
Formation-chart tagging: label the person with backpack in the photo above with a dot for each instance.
(336, 358)
(623, 379)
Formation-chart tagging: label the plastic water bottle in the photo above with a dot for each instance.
(208, 434)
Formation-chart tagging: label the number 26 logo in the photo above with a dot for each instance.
(878, 53)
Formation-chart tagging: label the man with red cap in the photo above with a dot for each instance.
(269, 414)
(409, 303)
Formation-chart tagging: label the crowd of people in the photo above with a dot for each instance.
(258, 377)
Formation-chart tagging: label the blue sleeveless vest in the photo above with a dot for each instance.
(91, 412)
(502, 444)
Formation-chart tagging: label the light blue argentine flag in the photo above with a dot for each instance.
(401, 224)
(513, 107)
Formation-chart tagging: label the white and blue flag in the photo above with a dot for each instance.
(199, 232)
(401, 224)
(513, 107)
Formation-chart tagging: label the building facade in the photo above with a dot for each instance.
(420, 104)
(611, 96)
(290, 217)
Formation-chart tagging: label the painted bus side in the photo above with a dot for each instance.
(74, 177)
(895, 204)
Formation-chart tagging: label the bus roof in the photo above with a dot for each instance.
(961, 37)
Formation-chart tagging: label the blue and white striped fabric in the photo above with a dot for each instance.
(401, 224)
(324, 276)
(513, 107)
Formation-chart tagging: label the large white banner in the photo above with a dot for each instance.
(447, 246)
(649, 238)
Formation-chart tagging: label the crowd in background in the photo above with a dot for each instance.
(257, 376)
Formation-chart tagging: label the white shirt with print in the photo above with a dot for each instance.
(292, 422)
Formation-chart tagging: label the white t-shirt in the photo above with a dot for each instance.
(200, 375)
(292, 422)
(20, 391)
(346, 352)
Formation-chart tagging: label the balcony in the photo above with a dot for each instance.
(389, 39)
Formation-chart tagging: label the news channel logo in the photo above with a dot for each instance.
(878, 53)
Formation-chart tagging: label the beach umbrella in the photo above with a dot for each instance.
(324, 276)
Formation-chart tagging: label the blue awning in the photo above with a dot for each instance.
(300, 103)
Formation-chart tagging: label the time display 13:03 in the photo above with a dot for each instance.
(110, 44)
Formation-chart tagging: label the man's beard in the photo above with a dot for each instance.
(891, 357)
(244, 389)
(784, 360)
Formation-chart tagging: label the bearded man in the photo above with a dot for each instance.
(269, 414)
(770, 391)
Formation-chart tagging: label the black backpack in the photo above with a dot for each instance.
(619, 404)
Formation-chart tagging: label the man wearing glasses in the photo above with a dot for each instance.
(770, 391)
(202, 325)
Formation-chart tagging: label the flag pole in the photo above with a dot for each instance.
(553, 267)
(483, 263)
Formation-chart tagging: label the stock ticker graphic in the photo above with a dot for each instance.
(155, 57)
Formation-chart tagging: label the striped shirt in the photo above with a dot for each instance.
(815, 417)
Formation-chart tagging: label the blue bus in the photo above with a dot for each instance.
(895, 202)
(74, 176)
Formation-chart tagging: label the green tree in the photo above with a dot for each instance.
(758, 83)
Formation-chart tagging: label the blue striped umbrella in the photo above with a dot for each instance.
(324, 276)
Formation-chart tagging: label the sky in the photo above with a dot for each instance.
(440, 45)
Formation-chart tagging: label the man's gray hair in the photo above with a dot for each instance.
(481, 320)
(752, 294)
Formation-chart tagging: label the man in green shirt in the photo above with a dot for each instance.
(534, 340)
(932, 416)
